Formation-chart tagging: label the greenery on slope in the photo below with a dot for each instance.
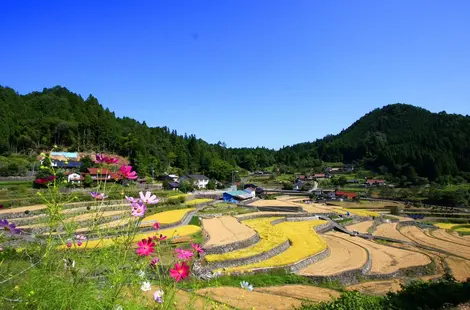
(409, 144)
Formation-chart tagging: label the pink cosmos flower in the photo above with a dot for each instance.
(154, 262)
(99, 158)
(197, 247)
(79, 243)
(80, 237)
(159, 238)
(69, 244)
(156, 225)
(179, 272)
(184, 254)
(45, 180)
(146, 247)
(112, 160)
(9, 227)
(138, 209)
(148, 199)
(131, 199)
(98, 196)
(127, 173)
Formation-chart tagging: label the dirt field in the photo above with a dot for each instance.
(387, 259)
(268, 214)
(311, 293)
(272, 203)
(242, 299)
(389, 230)
(361, 227)
(460, 268)
(317, 208)
(22, 209)
(344, 256)
(184, 300)
(377, 287)
(225, 230)
(417, 235)
(367, 204)
(444, 235)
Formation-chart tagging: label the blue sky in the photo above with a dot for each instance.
(246, 72)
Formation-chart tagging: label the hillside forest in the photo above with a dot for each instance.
(406, 143)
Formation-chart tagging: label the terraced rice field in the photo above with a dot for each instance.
(377, 287)
(197, 201)
(241, 299)
(444, 235)
(82, 217)
(180, 231)
(272, 203)
(311, 293)
(418, 236)
(304, 243)
(390, 230)
(166, 217)
(268, 214)
(317, 208)
(460, 268)
(344, 256)
(225, 230)
(364, 213)
(387, 259)
(271, 237)
(361, 227)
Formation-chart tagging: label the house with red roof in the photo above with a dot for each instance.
(102, 174)
(345, 195)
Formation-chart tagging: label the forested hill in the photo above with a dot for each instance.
(402, 140)
(36, 121)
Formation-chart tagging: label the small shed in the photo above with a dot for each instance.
(237, 196)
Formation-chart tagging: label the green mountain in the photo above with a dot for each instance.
(398, 139)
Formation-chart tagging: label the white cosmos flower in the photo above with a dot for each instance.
(146, 286)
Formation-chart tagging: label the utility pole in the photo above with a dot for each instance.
(233, 176)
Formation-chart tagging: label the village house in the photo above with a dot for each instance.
(102, 174)
(74, 178)
(345, 195)
(198, 180)
(238, 196)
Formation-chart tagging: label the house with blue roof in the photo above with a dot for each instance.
(237, 196)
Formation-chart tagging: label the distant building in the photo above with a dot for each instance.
(237, 196)
(298, 186)
(345, 195)
(374, 182)
(198, 180)
(168, 177)
(173, 185)
(74, 178)
(102, 174)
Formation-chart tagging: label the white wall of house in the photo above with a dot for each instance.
(201, 183)
(73, 178)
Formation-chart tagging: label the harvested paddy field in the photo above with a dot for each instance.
(311, 293)
(224, 230)
(387, 259)
(186, 300)
(444, 235)
(272, 203)
(269, 214)
(362, 227)
(460, 267)
(315, 208)
(271, 237)
(242, 299)
(418, 236)
(390, 230)
(377, 287)
(344, 256)
(22, 209)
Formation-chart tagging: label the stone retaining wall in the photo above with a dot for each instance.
(261, 214)
(249, 260)
(219, 249)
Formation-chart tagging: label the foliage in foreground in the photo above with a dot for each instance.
(415, 295)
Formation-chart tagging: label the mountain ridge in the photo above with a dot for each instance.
(400, 139)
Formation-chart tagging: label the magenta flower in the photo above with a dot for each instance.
(112, 160)
(45, 180)
(99, 158)
(127, 173)
(179, 272)
(131, 199)
(154, 262)
(156, 226)
(138, 209)
(184, 254)
(69, 244)
(197, 248)
(146, 247)
(80, 237)
(148, 199)
(98, 196)
(9, 227)
(159, 238)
